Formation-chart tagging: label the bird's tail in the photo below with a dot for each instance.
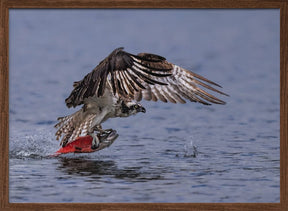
(73, 126)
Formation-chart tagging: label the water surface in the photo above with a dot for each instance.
(172, 153)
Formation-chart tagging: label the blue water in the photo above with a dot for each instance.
(172, 153)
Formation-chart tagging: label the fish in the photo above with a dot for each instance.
(83, 144)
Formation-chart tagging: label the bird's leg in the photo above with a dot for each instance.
(99, 129)
(109, 137)
(95, 141)
(108, 131)
(102, 135)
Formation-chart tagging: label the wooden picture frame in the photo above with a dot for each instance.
(5, 5)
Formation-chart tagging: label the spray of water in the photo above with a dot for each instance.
(190, 149)
(40, 144)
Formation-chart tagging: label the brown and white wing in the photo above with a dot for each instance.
(147, 76)
(126, 73)
(181, 84)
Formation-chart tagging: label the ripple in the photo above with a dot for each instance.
(47, 122)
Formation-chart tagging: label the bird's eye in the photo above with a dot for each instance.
(136, 106)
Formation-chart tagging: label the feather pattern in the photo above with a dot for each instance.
(73, 126)
(144, 76)
(181, 84)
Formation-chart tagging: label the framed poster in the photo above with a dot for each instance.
(175, 155)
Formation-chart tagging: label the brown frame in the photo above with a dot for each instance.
(5, 5)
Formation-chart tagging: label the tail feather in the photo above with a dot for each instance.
(73, 126)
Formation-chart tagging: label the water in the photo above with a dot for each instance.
(172, 153)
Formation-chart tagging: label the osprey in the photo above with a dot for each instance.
(119, 82)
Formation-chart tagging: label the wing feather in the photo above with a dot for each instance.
(183, 84)
(168, 95)
(126, 85)
(130, 81)
(138, 96)
(153, 97)
(160, 93)
(143, 76)
(135, 79)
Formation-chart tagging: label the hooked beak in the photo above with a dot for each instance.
(141, 109)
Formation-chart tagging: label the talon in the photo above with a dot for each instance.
(110, 138)
(107, 131)
(95, 141)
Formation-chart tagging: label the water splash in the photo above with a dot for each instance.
(190, 150)
(38, 145)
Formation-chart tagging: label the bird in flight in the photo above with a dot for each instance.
(117, 84)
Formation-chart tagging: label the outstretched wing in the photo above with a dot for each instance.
(181, 84)
(125, 72)
(144, 75)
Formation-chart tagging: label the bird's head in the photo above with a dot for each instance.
(130, 108)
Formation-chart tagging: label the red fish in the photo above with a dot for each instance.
(80, 145)
(83, 144)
